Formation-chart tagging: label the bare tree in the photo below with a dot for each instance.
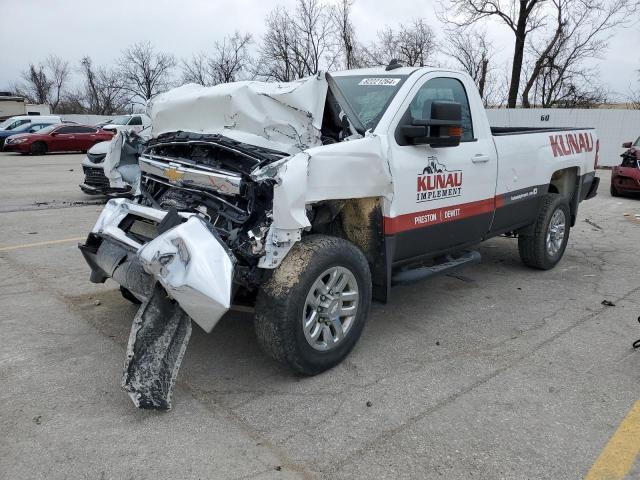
(103, 92)
(231, 58)
(341, 16)
(297, 44)
(558, 74)
(196, 70)
(144, 72)
(521, 16)
(472, 51)
(230, 61)
(413, 45)
(45, 83)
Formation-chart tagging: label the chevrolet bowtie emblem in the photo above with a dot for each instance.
(173, 174)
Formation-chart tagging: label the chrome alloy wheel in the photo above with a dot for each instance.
(330, 308)
(555, 232)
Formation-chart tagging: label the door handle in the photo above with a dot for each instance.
(480, 158)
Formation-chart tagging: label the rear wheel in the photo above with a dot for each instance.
(311, 311)
(38, 148)
(544, 248)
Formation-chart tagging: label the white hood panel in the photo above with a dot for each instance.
(281, 116)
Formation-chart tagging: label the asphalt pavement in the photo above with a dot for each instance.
(496, 371)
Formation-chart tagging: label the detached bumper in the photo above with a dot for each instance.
(188, 260)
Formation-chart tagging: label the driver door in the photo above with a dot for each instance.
(62, 139)
(443, 197)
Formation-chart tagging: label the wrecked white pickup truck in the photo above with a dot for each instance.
(307, 199)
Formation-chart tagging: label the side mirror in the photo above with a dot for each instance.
(442, 129)
(54, 134)
(627, 145)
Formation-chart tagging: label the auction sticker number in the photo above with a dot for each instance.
(388, 82)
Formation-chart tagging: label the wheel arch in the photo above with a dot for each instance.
(566, 182)
(359, 221)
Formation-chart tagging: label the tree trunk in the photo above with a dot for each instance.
(483, 77)
(518, 55)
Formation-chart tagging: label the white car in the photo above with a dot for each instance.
(111, 168)
(138, 122)
(19, 120)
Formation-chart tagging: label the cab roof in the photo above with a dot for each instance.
(381, 70)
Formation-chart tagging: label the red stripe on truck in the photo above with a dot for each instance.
(427, 218)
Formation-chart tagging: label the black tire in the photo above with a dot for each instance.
(129, 296)
(280, 304)
(38, 148)
(533, 248)
(613, 191)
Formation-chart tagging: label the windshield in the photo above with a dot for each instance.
(120, 120)
(369, 95)
(24, 127)
(7, 125)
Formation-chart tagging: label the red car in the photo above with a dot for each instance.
(57, 138)
(625, 179)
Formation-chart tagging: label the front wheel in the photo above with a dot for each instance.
(544, 248)
(613, 191)
(312, 309)
(38, 148)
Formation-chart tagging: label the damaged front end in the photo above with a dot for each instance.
(188, 245)
(184, 272)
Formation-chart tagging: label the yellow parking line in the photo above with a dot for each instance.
(619, 455)
(41, 244)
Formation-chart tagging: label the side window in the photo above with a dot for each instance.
(135, 121)
(85, 130)
(66, 130)
(16, 124)
(35, 128)
(448, 89)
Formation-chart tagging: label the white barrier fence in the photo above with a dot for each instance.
(86, 119)
(613, 126)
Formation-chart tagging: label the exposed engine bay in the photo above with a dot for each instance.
(209, 176)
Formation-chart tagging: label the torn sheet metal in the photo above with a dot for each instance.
(353, 169)
(157, 342)
(121, 161)
(112, 160)
(195, 269)
(282, 116)
(190, 262)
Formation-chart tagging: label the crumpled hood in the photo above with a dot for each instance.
(282, 116)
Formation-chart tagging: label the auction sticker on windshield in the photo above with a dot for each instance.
(389, 82)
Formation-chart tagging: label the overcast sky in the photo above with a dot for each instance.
(33, 29)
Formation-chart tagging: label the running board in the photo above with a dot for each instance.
(420, 273)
